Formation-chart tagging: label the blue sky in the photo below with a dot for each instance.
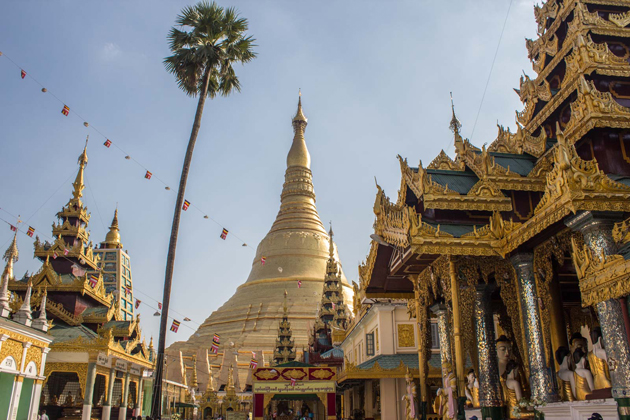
(375, 78)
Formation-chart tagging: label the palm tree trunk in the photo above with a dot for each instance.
(156, 406)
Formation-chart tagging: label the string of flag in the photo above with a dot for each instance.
(77, 271)
(149, 175)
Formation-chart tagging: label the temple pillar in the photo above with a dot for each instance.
(446, 355)
(490, 400)
(88, 392)
(15, 397)
(423, 327)
(107, 406)
(457, 338)
(122, 414)
(137, 409)
(37, 393)
(540, 377)
(389, 400)
(596, 228)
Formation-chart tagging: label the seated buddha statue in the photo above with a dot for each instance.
(566, 380)
(584, 383)
(598, 362)
(69, 402)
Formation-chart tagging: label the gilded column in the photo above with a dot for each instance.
(88, 392)
(422, 323)
(457, 336)
(540, 377)
(107, 407)
(444, 330)
(489, 383)
(597, 231)
(125, 399)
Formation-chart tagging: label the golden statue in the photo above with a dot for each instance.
(440, 404)
(512, 391)
(566, 380)
(598, 362)
(410, 397)
(69, 402)
(584, 383)
(449, 382)
(472, 389)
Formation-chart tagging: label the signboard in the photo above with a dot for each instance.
(232, 415)
(120, 365)
(103, 360)
(135, 371)
(298, 388)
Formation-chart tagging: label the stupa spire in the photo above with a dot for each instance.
(23, 315)
(298, 155)
(11, 255)
(78, 185)
(284, 351)
(112, 239)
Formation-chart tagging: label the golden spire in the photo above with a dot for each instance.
(230, 381)
(112, 239)
(195, 384)
(331, 245)
(284, 305)
(298, 155)
(78, 185)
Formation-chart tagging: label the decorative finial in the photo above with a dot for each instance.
(41, 323)
(298, 154)
(78, 185)
(455, 125)
(10, 256)
(112, 239)
(331, 245)
(12, 251)
(23, 315)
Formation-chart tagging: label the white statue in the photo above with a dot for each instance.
(584, 383)
(566, 380)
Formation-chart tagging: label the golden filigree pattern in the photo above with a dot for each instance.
(406, 335)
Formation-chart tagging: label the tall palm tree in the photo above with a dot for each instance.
(207, 41)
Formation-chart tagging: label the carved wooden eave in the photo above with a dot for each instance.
(548, 10)
(351, 371)
(601, 277)
(443, 162)
(78, 251)
(68, 229)
(621, 232)
(48, 278)
(484, 195)
(103, 344)
(519, 142)
(593, 108)
(531, 91)
(586, 57)
(392, 221)
(572, 185)
(538, 50)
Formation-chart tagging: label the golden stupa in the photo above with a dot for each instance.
(295, 249)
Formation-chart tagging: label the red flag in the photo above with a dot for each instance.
(66, 251)
(93, 281)
(55, 255)
(137, 303)
(30, 232)
(293, 381)
(13, 228)
(66, 110)
(299, 284)
(175, 325)
(214, 349)
(127, 290)
(186, 205)
(107, 143)
(262, 260)
(23, 74)
(253, 364)
(159, 306)
(148, 175)
(224, 234)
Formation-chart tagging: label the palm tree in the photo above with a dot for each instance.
(206, 43)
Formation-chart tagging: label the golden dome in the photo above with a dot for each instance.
(112, 239)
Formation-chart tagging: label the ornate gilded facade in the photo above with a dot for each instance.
(524, 243)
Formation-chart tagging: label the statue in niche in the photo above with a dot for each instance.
(410, 397)
(504, 353)
(566, 380)
(449, 382)
(512, 391)
(440, 404)
(598, 362)
(577, 341)
(69, 402)
(472, 389)
(584, 383)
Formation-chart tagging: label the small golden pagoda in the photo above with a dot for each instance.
(285, 351)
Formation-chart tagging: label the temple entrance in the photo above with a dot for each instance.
(207, 413)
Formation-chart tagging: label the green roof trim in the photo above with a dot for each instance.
(460, 182)
(520, 164)
(64, 332)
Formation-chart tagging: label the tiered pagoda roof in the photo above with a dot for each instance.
(69, 282)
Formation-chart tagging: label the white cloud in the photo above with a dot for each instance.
(110, 51)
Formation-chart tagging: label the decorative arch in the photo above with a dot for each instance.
(9, 363)
(31, 369)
